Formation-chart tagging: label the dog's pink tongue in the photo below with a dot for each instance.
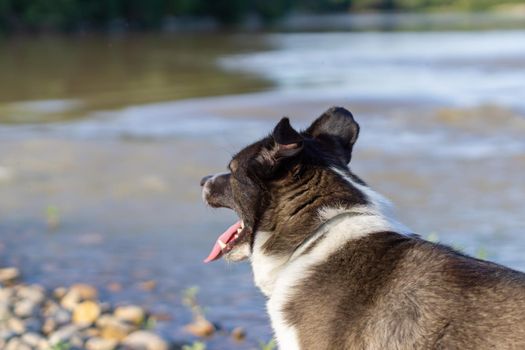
(227, 236)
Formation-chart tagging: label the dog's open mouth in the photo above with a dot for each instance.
(226, 241)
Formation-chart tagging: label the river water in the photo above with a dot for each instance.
(109, 136)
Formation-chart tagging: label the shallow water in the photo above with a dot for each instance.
(443, 136)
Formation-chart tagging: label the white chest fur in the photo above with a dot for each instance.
(277, 275)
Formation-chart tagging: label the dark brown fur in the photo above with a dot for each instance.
(428, 296)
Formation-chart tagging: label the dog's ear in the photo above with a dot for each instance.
(287, 141)
(337, 130)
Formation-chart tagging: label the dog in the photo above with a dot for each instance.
(338, 270)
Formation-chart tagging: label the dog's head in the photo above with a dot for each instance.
(279, 184)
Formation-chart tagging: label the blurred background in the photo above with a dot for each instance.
(111, 112)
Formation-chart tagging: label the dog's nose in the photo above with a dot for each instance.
(204, 179)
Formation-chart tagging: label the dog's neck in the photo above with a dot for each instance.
(339, 224)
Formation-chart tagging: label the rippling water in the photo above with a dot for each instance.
(114, 134)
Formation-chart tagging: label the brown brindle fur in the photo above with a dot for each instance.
(295, 202)
(387, 291)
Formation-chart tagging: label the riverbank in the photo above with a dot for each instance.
(32, 317)
(67, 318)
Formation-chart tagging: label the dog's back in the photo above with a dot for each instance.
(388, 291)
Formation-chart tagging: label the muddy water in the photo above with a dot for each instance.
(120, 176)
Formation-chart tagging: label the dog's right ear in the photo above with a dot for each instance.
(337, 130)
(287, 141)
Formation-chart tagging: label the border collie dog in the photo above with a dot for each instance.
(338, 271)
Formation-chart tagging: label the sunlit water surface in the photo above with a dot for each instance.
(113, 134)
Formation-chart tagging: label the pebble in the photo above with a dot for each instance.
(33, 324)
(114, 329)
(132, 314)
(32, 319)
(145, 340)
(5, 335)
(16, 344)
(32, 339)
(101, 344)
(49, 326)
(16, 325)
(86, 313)
(201, 327)
(33, 293)
(25, 308)
(5, 294)
(148, 285)
(70, 300)
(84, 291)
(238, 334)
(63, 334)
(59, 292)
(9, 275)
(5, 311)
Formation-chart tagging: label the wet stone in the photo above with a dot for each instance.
(132, 314)
(86, 313)
(101, 344)
(9, 275)
(25, 308)
(63, 334)
(16, 325)
(145, 340)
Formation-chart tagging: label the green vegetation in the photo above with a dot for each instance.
(195, 346)
(81, 15)
(61, 345)
(270, 345)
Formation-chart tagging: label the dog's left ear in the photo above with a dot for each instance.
(337, 130)
(288, 142)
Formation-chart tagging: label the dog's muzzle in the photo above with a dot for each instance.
(216, 191)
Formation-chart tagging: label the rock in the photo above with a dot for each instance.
(101, 344)
(5, 295)
(105, 307)
(114, 287)
(16, 344)
(86, 313)
(91, 332)
(148, 285)
(84, 291)
(104, 320)
(25, 308)
(62, 317)
(5, 311)
(44, 345)
(9, 275)
(59, 292)
(63, 335)
(70, 300)
(238, 334)
(49, 326)
(16, 325)
(5, 335)
(162, 316)
(145, 340)
(32, 339)
(33, 293)
(33, 325)
(111, 328)
(132, 314)
(201, 327)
